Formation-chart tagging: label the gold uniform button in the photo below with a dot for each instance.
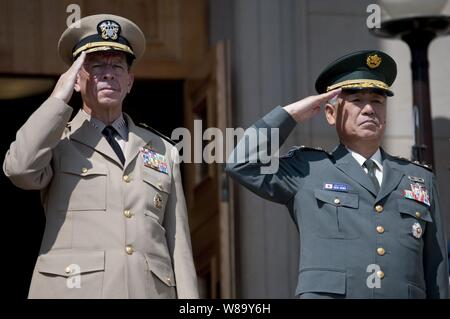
(168, 280)
(380, 229)
(380, 274)
(128, 213)
(129, 249)
(160, 186)
(126, 178)
(84, 170)
(378, 208)
(337, 201)
(418, 215)
(67, 270)
(381, 251)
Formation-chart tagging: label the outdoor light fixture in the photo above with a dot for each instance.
(417, 22)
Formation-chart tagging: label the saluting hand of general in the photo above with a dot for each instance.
(309, 106)
(64, 87)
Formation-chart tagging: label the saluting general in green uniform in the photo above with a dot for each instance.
(370, 224)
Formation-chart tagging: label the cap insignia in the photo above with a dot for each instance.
(373, 61)
(108, 29)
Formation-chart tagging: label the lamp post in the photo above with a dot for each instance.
(417, 22)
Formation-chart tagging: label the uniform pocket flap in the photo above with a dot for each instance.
(322, 280)
(82, 166)
(337, 198)
(415, 209)
(157, 179)
(162, 268)
(70, 262)
(415, 292)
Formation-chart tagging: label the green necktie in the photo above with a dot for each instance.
(370, 165)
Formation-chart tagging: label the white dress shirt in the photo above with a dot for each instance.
(377, 160)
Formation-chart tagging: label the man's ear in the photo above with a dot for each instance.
(77, 84)
(130, 81)
(331, 113)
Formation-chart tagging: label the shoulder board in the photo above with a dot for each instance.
(427, 167)
(291, 152)
(317, 149)
(151, 129)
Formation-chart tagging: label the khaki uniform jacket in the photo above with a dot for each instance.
(112, 231)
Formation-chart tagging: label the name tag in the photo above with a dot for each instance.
(339, 187)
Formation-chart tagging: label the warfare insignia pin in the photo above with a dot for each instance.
(154, 160)
(417, 230)
(416, 179)
(373, 61)
(108, 29)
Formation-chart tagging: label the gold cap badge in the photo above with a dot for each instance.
(373, 61)
(109, 30)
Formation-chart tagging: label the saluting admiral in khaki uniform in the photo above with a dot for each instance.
(116, 216)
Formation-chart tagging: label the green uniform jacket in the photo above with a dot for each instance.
(354, 243)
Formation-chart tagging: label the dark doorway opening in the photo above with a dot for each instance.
(158, 104)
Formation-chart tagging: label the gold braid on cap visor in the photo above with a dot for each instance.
(102, 46)
(360, 83)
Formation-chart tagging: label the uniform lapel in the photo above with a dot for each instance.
(349, 166)
(135, 141)
(84, 133)
(391, 177)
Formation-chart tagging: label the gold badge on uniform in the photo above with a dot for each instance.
(373, 61)
(417, 230)
(108, 29)
(157, 201)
